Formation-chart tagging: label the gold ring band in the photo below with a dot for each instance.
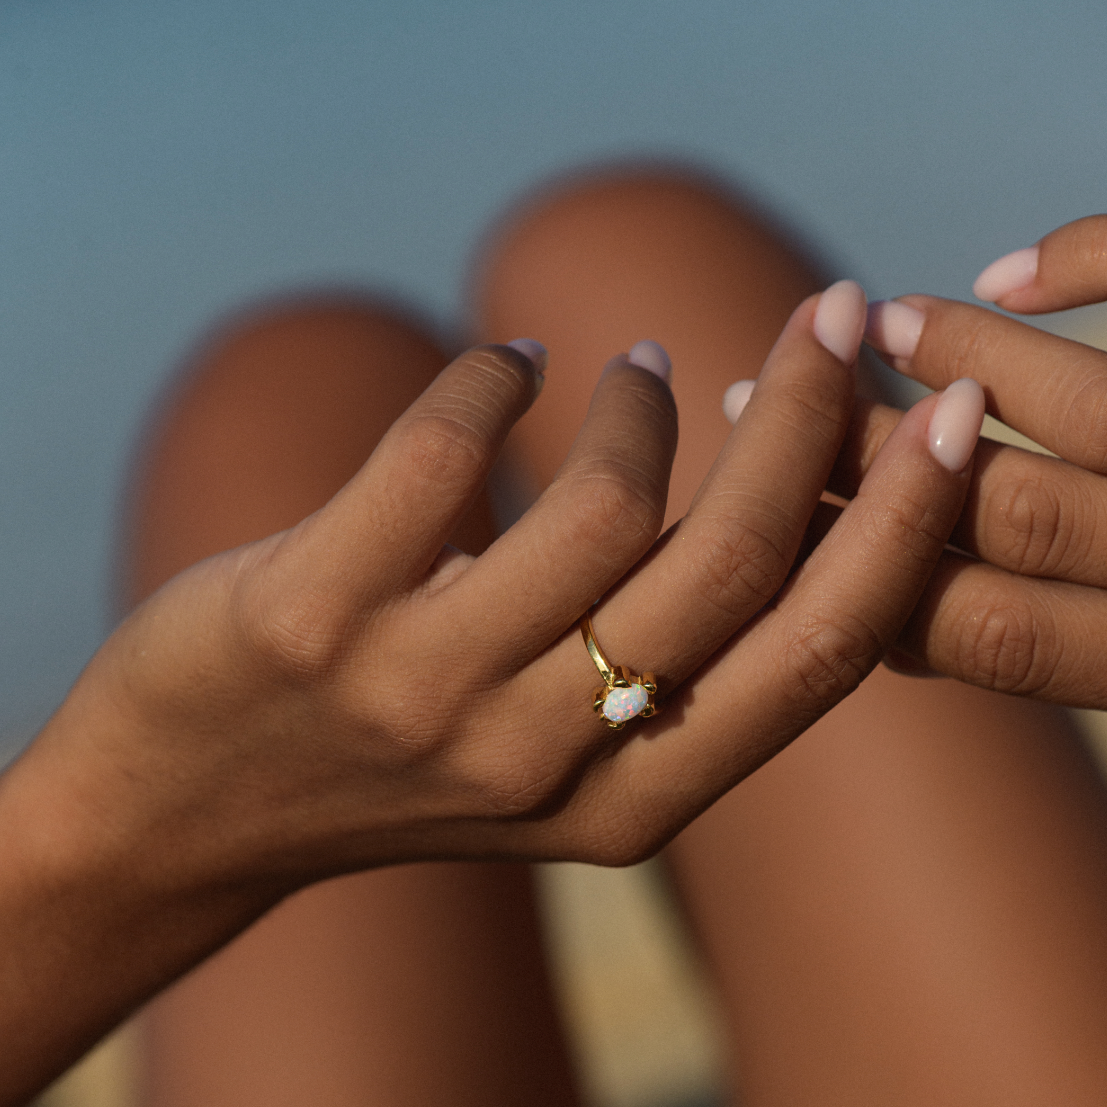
(622, 696)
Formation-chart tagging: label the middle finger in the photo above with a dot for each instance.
(1051, 389)
(1033, 515)
(735, 547)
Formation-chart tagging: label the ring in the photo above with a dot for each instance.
(622, 695)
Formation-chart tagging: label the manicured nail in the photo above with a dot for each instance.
(1010, 273)
(534, 350)
(955, 424)
(735, 399)
(651, 355)
(894, 328)
(840, 320)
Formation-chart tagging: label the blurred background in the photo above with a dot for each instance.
(162, 164)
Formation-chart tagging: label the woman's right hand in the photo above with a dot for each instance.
(349, 694)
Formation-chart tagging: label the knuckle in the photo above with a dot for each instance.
(510, 789)
(293, 632)
(1007, 648)
(736, 561)
(418, 720)
(620, 852)
(908, 529)
(613, 505)
(1085, 419)
(1035, 535)
(622, 825)
(300, 639)
(826, 660)
(444, 450)
(410, 736)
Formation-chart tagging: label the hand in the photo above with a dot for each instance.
(1030, 617)
(349, 693)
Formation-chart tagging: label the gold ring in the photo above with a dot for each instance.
(622, 695)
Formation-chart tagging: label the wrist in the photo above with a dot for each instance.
(106, 895)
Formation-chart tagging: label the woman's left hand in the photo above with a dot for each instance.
(1029, 617)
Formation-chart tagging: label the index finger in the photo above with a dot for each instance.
(1051, 389)
(1066, 269)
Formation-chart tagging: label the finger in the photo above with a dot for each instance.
(733, 550)
(1033, 515)
(674, 610)
(832, 623)
(1036, 638)
(844, 608)
(602, 512)
(1052, 390)
(1065, 269)
(384, 529)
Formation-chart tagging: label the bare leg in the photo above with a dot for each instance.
(909, 906)
(413, 985)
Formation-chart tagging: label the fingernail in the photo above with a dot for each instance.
(652, 356)
(1008, 274)
(840, 320)
(534, 350)
(735, 399)
(894, 328)
(955, 424)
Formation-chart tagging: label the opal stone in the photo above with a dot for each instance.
(624, 703)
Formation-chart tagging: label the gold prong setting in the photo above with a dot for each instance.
(623, 695)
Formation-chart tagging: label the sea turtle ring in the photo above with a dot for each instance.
(622, 696)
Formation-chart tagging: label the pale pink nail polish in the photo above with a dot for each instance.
(652, 356)
(955, 424)
(735, 399)
(840, 320)
(1008, 274)
(532, 349)
(894, 328)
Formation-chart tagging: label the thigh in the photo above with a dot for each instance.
(413, 985)
(908, 905)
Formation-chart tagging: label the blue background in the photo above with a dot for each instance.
(162, 162)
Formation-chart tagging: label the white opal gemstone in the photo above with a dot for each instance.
(624, 703)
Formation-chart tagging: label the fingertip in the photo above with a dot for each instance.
(839, 322)
(534, 351)
(735, 399)
(651, 355)
(1007, 274)
(894, 328)
(955, 424)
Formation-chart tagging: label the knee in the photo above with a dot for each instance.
(636, 228)
(314, 351)
(274, 411)
(301, 377)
